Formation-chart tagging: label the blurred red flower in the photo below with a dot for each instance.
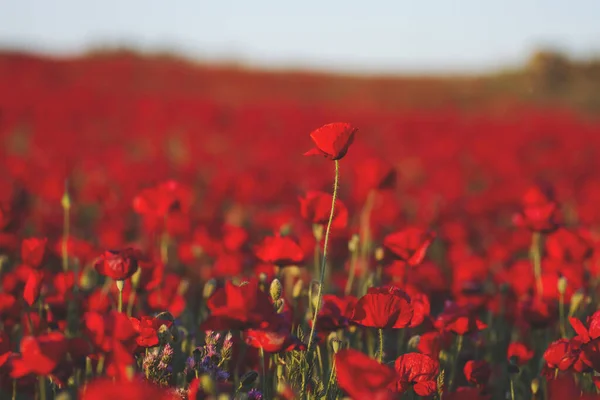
(315, 206)
(363, 377)
(538, 209)
(102, 389)
(409, 245)
(40, 355)
(239, 307)
(147, 329)
(279, 250)
(477, 372)
(117, 264)
(33, 251)
(519, 353)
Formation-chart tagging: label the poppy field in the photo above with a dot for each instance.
(173, 232)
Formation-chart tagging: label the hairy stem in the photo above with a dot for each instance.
(309, 349)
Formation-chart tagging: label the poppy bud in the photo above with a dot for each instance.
(413, 342)
(535, 386)
(207, 384)
(262, 277)
(135, 278)
(562, 285)
(209, 288)
(65, 201)
(297, 289)
(318, 232)
(576, 300)
(248, 379)
(379, 253)
(335, 342)
(183, 287)
(275, 289)
(353, 243)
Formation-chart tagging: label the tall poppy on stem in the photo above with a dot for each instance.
(332, 141)
(119, 265)
(538, 214)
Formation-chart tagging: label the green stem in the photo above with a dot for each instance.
(350, 281)
(561, 313)
(130, 303)
(380, 354)
(512, 389)
(309, 348)
(263, 378)
(459, 343)
(536, 259)
(120, 284)
(66, 205)
(331, 379)
(120, 306)
(42, 383)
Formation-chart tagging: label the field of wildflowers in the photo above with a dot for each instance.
(172, 234)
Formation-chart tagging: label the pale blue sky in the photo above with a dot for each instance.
(351, 35)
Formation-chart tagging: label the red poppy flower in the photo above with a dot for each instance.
(419, 371)
(363, 377)
(147, 329)
(420, 304)
(519, 353)
(409, 245)
(105, 331)
(334, 314)
(373, 174)
(594, 325)
(431, 343)
(477, 372)
(33, 286)
(239, 307)
(556, 355)
(277, 339)
(539, 209)
(101, 389)
(567, 246)
(316, 207)
(117, 264)
(5, 348)
(158, 201)
(169, 296)
(40, 355)
(33, 251)
(332, 140)
(458, 319)
(279, 250)
(383, 307)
